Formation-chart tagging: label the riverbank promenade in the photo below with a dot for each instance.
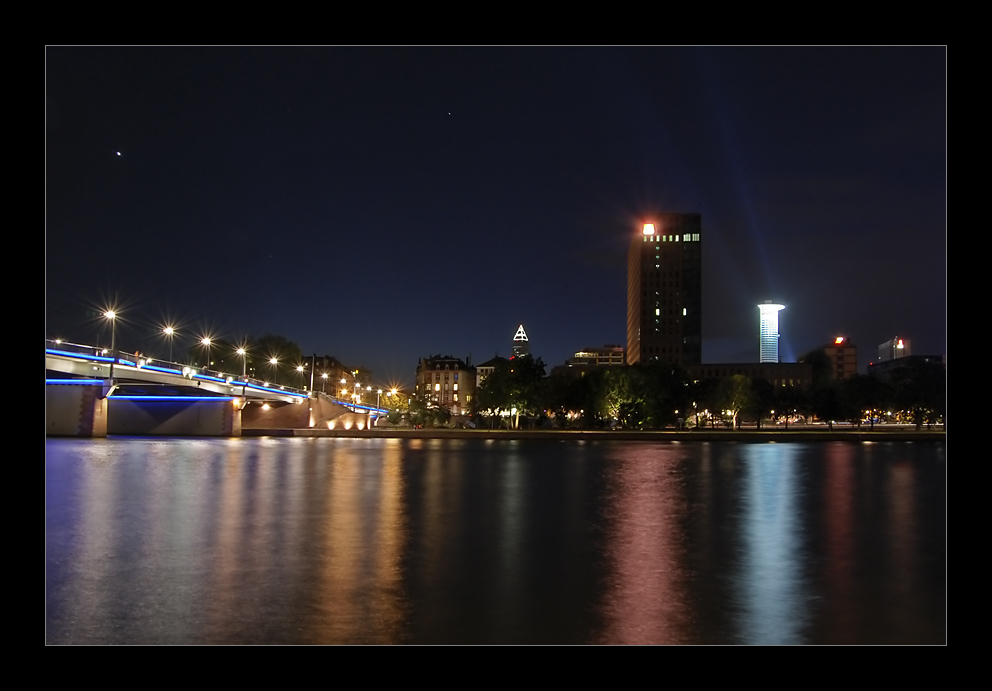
(806, 434)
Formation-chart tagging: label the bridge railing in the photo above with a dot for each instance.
(142, 360)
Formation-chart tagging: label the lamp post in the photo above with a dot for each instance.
(112, 316)
(169, 333)
(206, 342)
(323, 383)
(244, 363)
(303, 382)
(275, 372)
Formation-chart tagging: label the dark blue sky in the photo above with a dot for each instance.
(383, 204)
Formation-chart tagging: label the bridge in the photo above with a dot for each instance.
(91, 392)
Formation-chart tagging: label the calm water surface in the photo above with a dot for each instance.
(312, 541)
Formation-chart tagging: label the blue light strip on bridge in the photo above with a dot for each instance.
(127, 362)
(79, 356)
(75, 382)
(209, 378)
(156, 368)
(262, 388)
(174, 398)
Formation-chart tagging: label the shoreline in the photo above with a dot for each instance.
(613, 435)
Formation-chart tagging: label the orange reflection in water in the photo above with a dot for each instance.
(359, 596)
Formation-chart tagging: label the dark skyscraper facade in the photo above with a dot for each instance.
(665, 291)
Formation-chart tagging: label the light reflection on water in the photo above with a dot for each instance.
(463, 541)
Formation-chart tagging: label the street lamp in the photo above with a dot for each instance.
(303, 381)
(112, 316)
(206, 342)
(275, 372)
(244, 362)
(169, 332)
(323, 383)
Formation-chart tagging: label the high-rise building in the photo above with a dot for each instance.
(894, 349)
(665, 291)
(521, 344)
(768, 332)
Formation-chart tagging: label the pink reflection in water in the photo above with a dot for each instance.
(645, 599)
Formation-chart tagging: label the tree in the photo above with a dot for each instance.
(735, 395)
(516, 384)
(762, 399)
(920, 388)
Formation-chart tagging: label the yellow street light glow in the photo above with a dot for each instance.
(648, 229)
(273, 361)
(109, 314)
(205, 341)
(240, 351)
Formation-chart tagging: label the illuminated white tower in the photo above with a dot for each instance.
(768, 347)
(521, 344)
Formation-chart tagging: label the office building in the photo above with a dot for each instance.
(521, 344)
(587, 358)
(664, 291)
(768, 332)
(778, 374)
(843, 357)
(894, 349)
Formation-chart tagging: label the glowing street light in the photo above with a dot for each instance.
(275, 372)
(112, 316)
(206, 342)
(302, 370)
(169, 333)
(323, 383)
(244, 362)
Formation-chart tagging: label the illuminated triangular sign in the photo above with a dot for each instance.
(521, 334)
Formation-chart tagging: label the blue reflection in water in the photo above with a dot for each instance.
(772, 591)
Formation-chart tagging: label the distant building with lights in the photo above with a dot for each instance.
(843, 356)
(486, 368)
(778, 374)
(446, 382)
(587, 358)
(664, 291)
(521, 344)
(336, 371)
(894, 349)
(768, 331)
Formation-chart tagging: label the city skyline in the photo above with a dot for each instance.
(340, 197)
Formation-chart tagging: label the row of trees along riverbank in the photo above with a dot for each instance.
(658, 395)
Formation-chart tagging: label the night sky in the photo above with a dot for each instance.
(384, 204)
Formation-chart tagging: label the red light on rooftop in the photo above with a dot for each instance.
(838, 340)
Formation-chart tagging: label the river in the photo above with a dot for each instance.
(447, 541)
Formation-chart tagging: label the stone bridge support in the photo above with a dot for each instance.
(76, 409)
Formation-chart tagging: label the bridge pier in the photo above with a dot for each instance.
(75, 409)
